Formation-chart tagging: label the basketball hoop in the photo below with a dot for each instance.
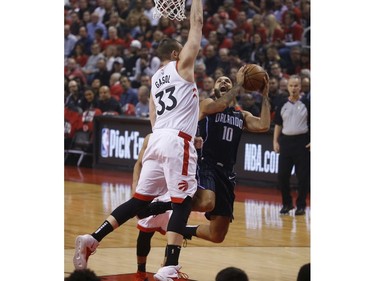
(172, 9)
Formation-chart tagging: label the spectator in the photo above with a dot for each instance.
(278, 9)
(82, 8)
(257, 26)
(272, 56)
(113, 39)
(243, 24)
(208, 86)
(123, 8)
(224, 60)
(142, 107)
(130, 59)
(114, 20)
(146, 64)
(75, 23)
(274, 31)
(166, 26)
(95, 86)
(69, 41)
(292, 34)
(276, 71)
(257, 55)
(292, 8)
(227, 25)
(231, 274)
(293, 63)
(115, 86)
(241, 45)
(89, 101)
(146, 81)
(108, 104)
(79, 56)
(145, 28)
(305, 88)
(149, 11)
(211, 24)
(73, 71)
(230, 8)
(247, 102)
(211, 59)
(85, 40)
(218, 73)
(110, 55)
(283, 85)
(137, 10)
(109, 10)
(95, 24)
(74, 98)
(305, 58)
(90, 68)
(276, 95)
(118, 66)
(99, 38)
(304, 273)
(129, 95)
(82, 275)
(157, 36)
(199, 75)
(102, 74)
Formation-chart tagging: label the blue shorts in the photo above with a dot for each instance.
(220, 181)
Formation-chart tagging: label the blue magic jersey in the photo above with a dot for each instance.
(221, 133)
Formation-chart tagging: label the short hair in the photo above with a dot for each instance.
(231, 274)
(82, 275)
(304, 273)
(166, 47)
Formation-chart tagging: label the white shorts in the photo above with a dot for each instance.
(156, 223)
(169, 164)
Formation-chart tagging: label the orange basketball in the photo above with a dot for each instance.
(253, 77)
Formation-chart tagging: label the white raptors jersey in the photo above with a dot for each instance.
(176, 100)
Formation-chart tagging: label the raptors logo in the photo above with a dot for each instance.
(195, 93)
(183, 185)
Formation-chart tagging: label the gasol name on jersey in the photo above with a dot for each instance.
(163, 80)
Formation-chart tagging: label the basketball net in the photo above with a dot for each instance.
(172, 9)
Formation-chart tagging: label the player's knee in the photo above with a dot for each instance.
(207, 205)
(217, 237)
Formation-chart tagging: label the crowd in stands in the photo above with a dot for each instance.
(109, 50)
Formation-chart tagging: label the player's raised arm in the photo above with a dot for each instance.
(190, 51)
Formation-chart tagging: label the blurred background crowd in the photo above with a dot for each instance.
(109, 51)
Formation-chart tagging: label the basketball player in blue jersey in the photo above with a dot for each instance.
(221, 132)
(170, 160)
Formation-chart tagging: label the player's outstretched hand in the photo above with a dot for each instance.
(240, 75)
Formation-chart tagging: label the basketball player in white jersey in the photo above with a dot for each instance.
(169, 162)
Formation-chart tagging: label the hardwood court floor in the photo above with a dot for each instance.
(268, 246)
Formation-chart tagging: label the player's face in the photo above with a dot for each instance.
(223, 84)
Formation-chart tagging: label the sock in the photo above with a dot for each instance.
(142, 267)
(190, 231)
(102, 231)
(173, 253)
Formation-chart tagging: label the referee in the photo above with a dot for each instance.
(291, 138)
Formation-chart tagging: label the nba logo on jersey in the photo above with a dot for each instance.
(105, 143)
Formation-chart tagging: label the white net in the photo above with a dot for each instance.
(172, 9)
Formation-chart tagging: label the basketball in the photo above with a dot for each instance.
(253, 77)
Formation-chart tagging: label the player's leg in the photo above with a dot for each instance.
(283, 177)
(143, 249)
(216, 230)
